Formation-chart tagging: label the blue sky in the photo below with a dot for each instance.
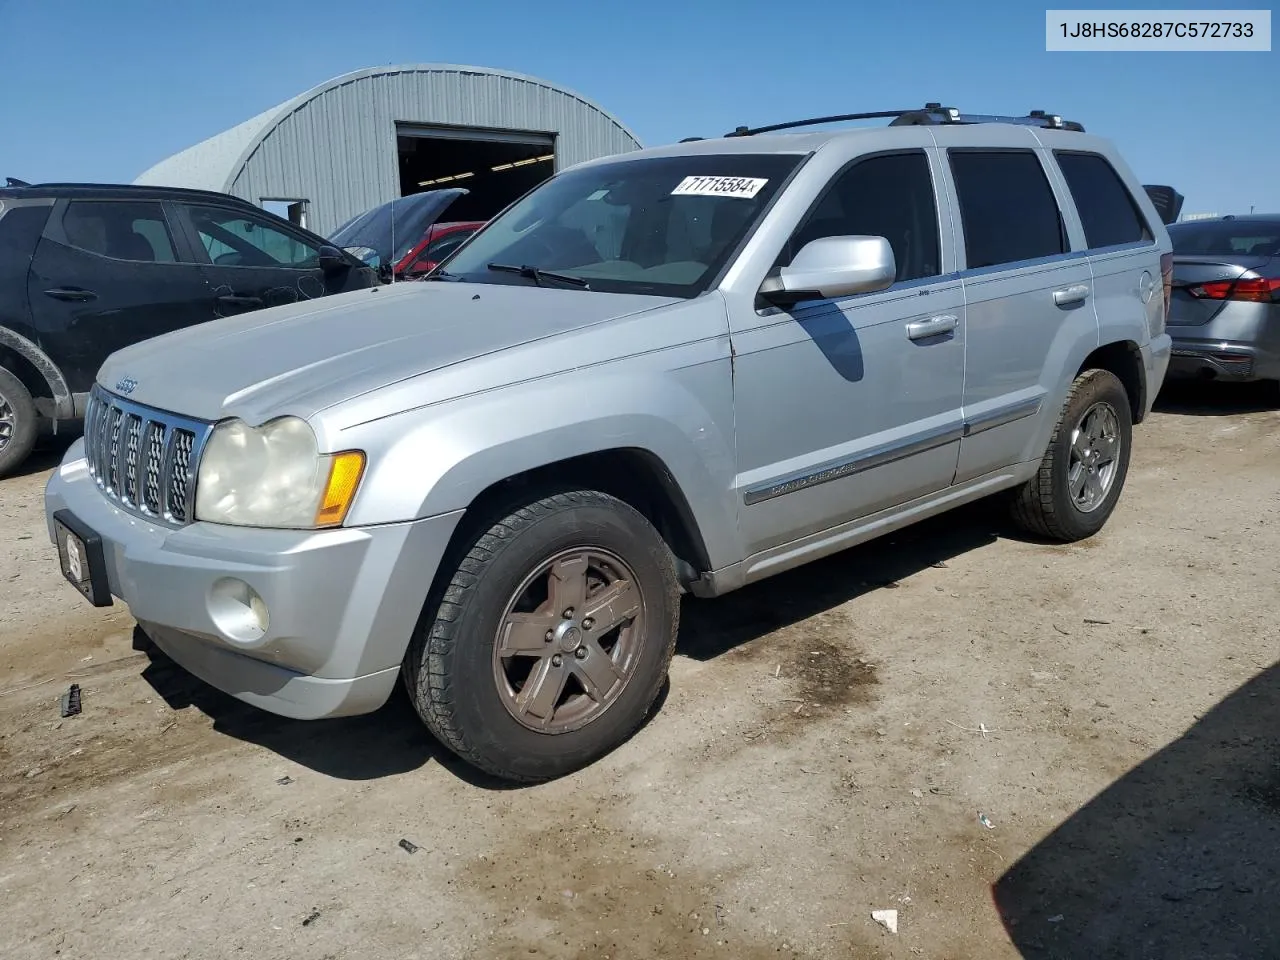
(96, 90)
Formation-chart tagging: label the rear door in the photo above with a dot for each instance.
(252, 260)
(107, 274)
(1027, 296)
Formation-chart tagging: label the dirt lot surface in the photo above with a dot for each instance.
(1024, 750)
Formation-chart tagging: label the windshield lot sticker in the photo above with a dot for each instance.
(746, 187)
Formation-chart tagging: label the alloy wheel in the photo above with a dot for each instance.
(1095, 456)
(570, 640)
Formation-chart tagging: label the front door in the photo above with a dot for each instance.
(850, 407)
(1029, 301)
(255, 261)
(107, 274)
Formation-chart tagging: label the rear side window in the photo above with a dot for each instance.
(889, 196)
(1007, 206)
(1227, 238)
(1105, 205)
(120, 229)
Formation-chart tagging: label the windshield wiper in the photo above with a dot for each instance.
(537, 274)
(443, 275)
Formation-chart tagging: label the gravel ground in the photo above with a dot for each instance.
(1024, 750)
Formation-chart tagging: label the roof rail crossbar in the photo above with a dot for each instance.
(932, 113)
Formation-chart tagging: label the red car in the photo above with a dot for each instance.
(402, 238)
(440, 240)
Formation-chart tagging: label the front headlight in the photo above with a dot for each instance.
(274, 476)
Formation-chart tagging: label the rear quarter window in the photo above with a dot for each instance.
(20, 229)
(1107, 209)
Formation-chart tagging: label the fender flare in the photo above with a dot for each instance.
(63, 401)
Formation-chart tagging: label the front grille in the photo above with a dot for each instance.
(142, 458)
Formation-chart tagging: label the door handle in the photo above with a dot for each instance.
(933, 327)
(239, 301)
(73, 294)
(1069, 295)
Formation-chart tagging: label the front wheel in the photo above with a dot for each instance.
(17, 423)
(552, 639)
(1083, 471)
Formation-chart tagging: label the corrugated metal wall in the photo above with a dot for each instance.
(337, 150)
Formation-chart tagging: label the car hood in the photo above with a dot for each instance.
(301, 358)
(392, 229)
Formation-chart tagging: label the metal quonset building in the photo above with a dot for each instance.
(367, 137)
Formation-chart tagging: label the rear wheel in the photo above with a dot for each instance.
(552, 638)
(17, 423)
(1084, 468)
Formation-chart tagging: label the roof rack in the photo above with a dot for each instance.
(931, 114)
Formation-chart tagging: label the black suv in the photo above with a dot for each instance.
(86, 269)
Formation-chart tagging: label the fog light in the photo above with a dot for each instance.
(238, 610)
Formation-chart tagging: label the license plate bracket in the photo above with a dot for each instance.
(82, 559)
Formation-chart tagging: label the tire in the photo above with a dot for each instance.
(18, 421)
(480, 705)
(1045, 505)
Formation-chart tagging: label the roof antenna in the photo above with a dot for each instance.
(391, 254)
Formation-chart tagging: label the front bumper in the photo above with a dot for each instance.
(1223, 360)
(341, 604)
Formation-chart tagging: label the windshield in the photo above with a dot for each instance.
(1227, 238)
(662, 225)
(388, 232)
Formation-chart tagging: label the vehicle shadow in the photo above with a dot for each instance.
(709, 628)
(393, 740)
(1176, 860)
(390, 741)
(48, 453)
(1210, 398)
(835, 336)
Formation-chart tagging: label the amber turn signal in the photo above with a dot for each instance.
(345, 471)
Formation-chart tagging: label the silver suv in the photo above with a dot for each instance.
(680, 369)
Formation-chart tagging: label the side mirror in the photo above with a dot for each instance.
(332, 260)
(833, 267)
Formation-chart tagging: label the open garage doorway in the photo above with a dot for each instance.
(496, 166)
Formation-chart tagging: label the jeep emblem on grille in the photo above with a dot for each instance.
(126, 386)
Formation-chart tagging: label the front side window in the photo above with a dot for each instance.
(1106, 207)
(236, 239)
(663, 225)
(888, 196)
(1007, 207)
(120, 229)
